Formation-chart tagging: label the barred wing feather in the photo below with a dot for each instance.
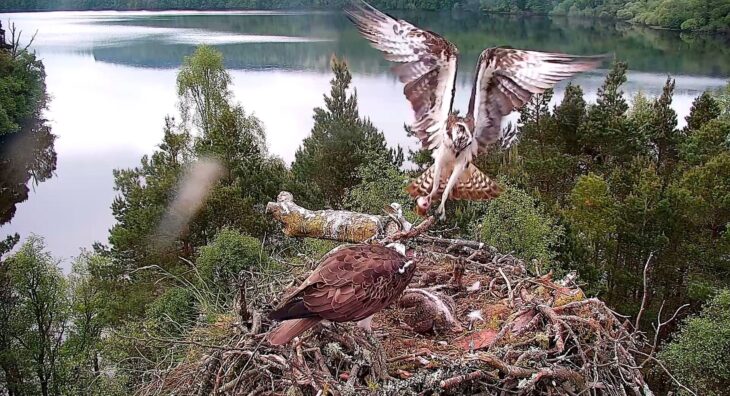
(427, 66)
(506, 79)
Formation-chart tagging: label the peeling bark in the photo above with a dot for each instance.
(337, 225)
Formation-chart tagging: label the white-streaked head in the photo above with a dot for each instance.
(398, 247)
(460, 135)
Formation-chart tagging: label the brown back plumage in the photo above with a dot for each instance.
(349, 285)
(473, 185)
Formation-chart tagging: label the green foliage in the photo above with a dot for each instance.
(706, 142)
(623, 181)
(33, 317)
(515, 222)
(22, 88)
(26, 143)
(202, 85)
(173, 312)
(722, 96)
(592, 208)
(23, 5)
(698, 353)
(382, 183)
(88, 317)
(315, 249)
(696, 15)
(606, 136)
(144, 193)
(8, 244)
(703, 193)
(662, 129)
(231, 252)
(339, 144)
(702, 15)
(704, 109)
(226, 134)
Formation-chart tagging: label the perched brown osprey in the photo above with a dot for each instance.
(350, 284)
(505, 79)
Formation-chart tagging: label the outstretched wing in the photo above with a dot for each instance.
(506, 79)
(427, 66)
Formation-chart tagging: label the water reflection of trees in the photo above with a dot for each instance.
(27, 153)
(644, 49)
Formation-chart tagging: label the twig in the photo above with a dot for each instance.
(506, 369)
(659, 327)
(446, 242)
(354, 372)
(407, 356)
(413, 232)
(255, 322)
(557, 373)
(453, 382)
(659, 362)
(509, 288)
(645, 298)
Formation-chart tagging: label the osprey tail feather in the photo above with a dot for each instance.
(473, 185)
(290, 329)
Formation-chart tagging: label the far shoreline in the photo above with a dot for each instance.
(716, 33)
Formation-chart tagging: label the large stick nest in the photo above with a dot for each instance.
(473, 321)
(526, 335)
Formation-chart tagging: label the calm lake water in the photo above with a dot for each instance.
(111, 76)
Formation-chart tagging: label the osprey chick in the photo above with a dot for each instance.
(504, 81)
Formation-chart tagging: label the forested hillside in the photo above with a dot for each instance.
(691, 15)
(600, 188)
(704, 15)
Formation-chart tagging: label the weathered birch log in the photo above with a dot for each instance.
(337, 225)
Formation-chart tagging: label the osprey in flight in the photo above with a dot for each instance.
(504, 81)
(351, 284)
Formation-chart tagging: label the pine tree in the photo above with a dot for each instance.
(704, 108)
(663, 132)
(706, 142)
(339, 144)
(605, 135)
(569, 116)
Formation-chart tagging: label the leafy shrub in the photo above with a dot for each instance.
(698, 355)
(382, 183)
(515, 222)
(174, 311)
(691, 24)
(220, 262)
